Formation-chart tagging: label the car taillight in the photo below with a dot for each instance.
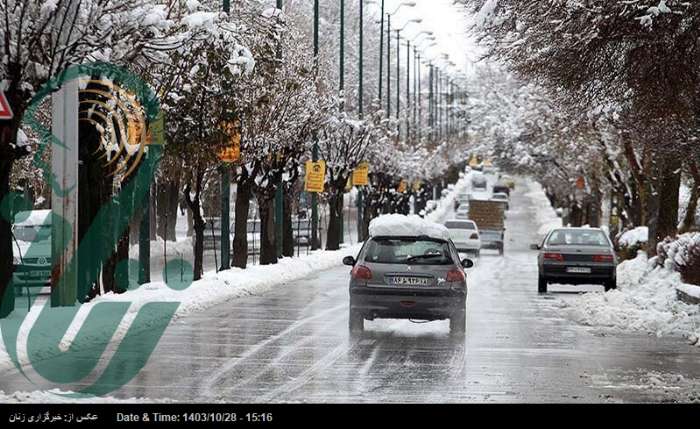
(361, 272)
(554, 257)
(602, 258)
(474, 236)
(455, 275)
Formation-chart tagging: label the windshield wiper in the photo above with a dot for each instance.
(415, 258)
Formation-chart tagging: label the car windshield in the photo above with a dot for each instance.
(32, 233)
(408, 250)
(459, 225)
(582, 237)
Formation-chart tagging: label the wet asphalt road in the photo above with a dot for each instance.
(292, 345)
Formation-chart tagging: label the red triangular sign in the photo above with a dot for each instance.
(5, 110)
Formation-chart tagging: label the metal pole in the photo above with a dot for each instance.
(314, 153)
(360, 109)
(398, 81)
(279, 192)
(420, 101)
(145, 237)
(342, 94)
(381, 49)
(225, 200)
(408, 89)
(388, 66)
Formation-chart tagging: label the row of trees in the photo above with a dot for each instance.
(612, 97)
(249, 72)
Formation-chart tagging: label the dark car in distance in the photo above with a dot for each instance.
(576, 256)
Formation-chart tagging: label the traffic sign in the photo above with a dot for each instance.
(232, 152)
(360, 175)
(5, 109)
(315, 176)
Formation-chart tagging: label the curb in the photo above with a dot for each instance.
(686, 297)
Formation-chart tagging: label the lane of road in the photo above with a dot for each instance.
(292, 345)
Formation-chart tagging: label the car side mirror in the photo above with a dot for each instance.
(467, 263)
(534, 247)
(349, 260)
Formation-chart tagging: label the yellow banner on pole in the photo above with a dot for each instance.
(360, 175)
(402, 186)
(315, 176)
(232, 152)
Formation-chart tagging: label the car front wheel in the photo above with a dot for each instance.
(541, 285)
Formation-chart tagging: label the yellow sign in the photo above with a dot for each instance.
(417, 185)
(488, 163)
(402, 186)
(360, 176)
(232, 152)
(473, 162)
(315, 176)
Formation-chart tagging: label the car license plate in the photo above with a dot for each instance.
(578, 270)
(410, 281)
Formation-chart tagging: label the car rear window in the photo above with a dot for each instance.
(580, 237)
(451, 224)
(396, 250)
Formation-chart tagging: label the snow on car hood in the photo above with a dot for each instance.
(400, 225)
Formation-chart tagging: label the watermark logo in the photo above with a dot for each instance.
(98, 347)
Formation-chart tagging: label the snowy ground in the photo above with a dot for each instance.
(645, 300)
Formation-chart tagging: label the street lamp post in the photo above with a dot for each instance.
(225, 191)
(314, 153)
(388, 53)
(279, 192)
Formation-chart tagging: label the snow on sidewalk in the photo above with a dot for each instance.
(645, 300)
(545, 215)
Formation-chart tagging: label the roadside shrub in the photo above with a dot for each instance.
(630, 242)
(682, 254)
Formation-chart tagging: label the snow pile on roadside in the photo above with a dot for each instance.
(634, 236)
(446, 204)
(57, 396)
(645, 301)
(400, 225)
(545, 215)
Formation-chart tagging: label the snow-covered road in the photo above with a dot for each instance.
(291, 344)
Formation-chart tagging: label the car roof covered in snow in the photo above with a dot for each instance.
(396, 225)
(33, 218)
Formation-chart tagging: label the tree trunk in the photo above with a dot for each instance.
(688, 222)
(287, 227)
(268, 249)
(240, 228)
(335, 219)
(167, 202)
(665, 222)
(199, 227)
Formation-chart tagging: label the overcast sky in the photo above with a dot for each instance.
(448, 23)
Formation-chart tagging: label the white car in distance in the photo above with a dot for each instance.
(465, 235)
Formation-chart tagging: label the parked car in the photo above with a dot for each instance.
(416, 276)
(461, 200)
(462, 212)
(508, 181)
(31, 259)
(465, 236)
(502, 188)
(479, 182)
(500, 196)
(576, 256)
